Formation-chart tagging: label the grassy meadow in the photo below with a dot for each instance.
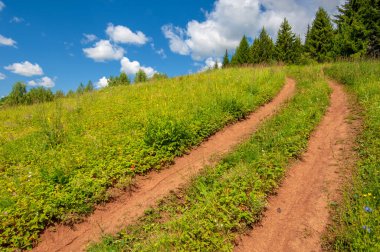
(58, 159)
(227, 199)
(357, 220)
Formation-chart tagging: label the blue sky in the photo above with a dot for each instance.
(59, 44)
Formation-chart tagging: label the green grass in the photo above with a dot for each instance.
(227, 199)
(57, 160)
(357, 228)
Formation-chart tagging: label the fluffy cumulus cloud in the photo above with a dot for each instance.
(132, 67)
(231, 19)
(122, 34)
(210, 64)
(88, 38)
(104, 50)
(2, 76)
(102, 82)
(2, 5)
(25, 69)
(7, 41)
(43, 82)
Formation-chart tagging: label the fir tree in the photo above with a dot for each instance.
(80, 89)
(226, 60)
(285, 43)
(358, 28)
(265, 48)
(320, 37)
(141, 76)
(297, 50)
(89, 87)
(253, 52)
(242, 52)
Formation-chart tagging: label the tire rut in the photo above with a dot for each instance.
(126, 208)
(299, 213)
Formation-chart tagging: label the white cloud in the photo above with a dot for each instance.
(43, 82)
(103, 50)
(103, 82)
(231, 19)
(122, 34)
(25, 69)
(176, 39)
(210, 64)
(160, 51)
(2, 76)
(7, 41)
(2, 5)
(132, 67)
(16, 20)
(88, 38)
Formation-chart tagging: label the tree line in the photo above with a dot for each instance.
(20, 95)
(357, 35)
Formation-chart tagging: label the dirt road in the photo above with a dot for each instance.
(128, 207)
(299, 213)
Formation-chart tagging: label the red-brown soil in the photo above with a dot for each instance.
(299, 214)
(127, 207)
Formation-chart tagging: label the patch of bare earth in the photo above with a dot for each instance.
(299, 213)
(127, 207)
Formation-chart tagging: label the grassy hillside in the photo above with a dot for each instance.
(230, 197)
(357, 226)
(58, 159)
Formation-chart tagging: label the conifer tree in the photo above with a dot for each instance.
(253, 52)
(297, 50)
(242, 52)
(226, 60)
(285, 43)
(265, 48)
(320, 37)
(358, 28)
(80, 89)
(89, 87)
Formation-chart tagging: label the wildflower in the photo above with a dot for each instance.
(368, 209)
(366, 228)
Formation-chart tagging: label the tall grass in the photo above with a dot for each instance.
(227, 199)
(357, 224)
(58, 159)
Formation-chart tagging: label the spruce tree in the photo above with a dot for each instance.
(265, 48)
(320, 37)
(253, 51)
(285, 43)
(89, 87)
(80, 89)
(358, 28)
(242, 52)
(296, 51)
(226, 60)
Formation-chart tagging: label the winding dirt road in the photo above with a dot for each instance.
(298, 215)
(112, 217)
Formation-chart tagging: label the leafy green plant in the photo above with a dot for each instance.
(357, 222)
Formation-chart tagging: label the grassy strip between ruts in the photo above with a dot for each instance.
(227, 199)
(357, 222)
(58, 159)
